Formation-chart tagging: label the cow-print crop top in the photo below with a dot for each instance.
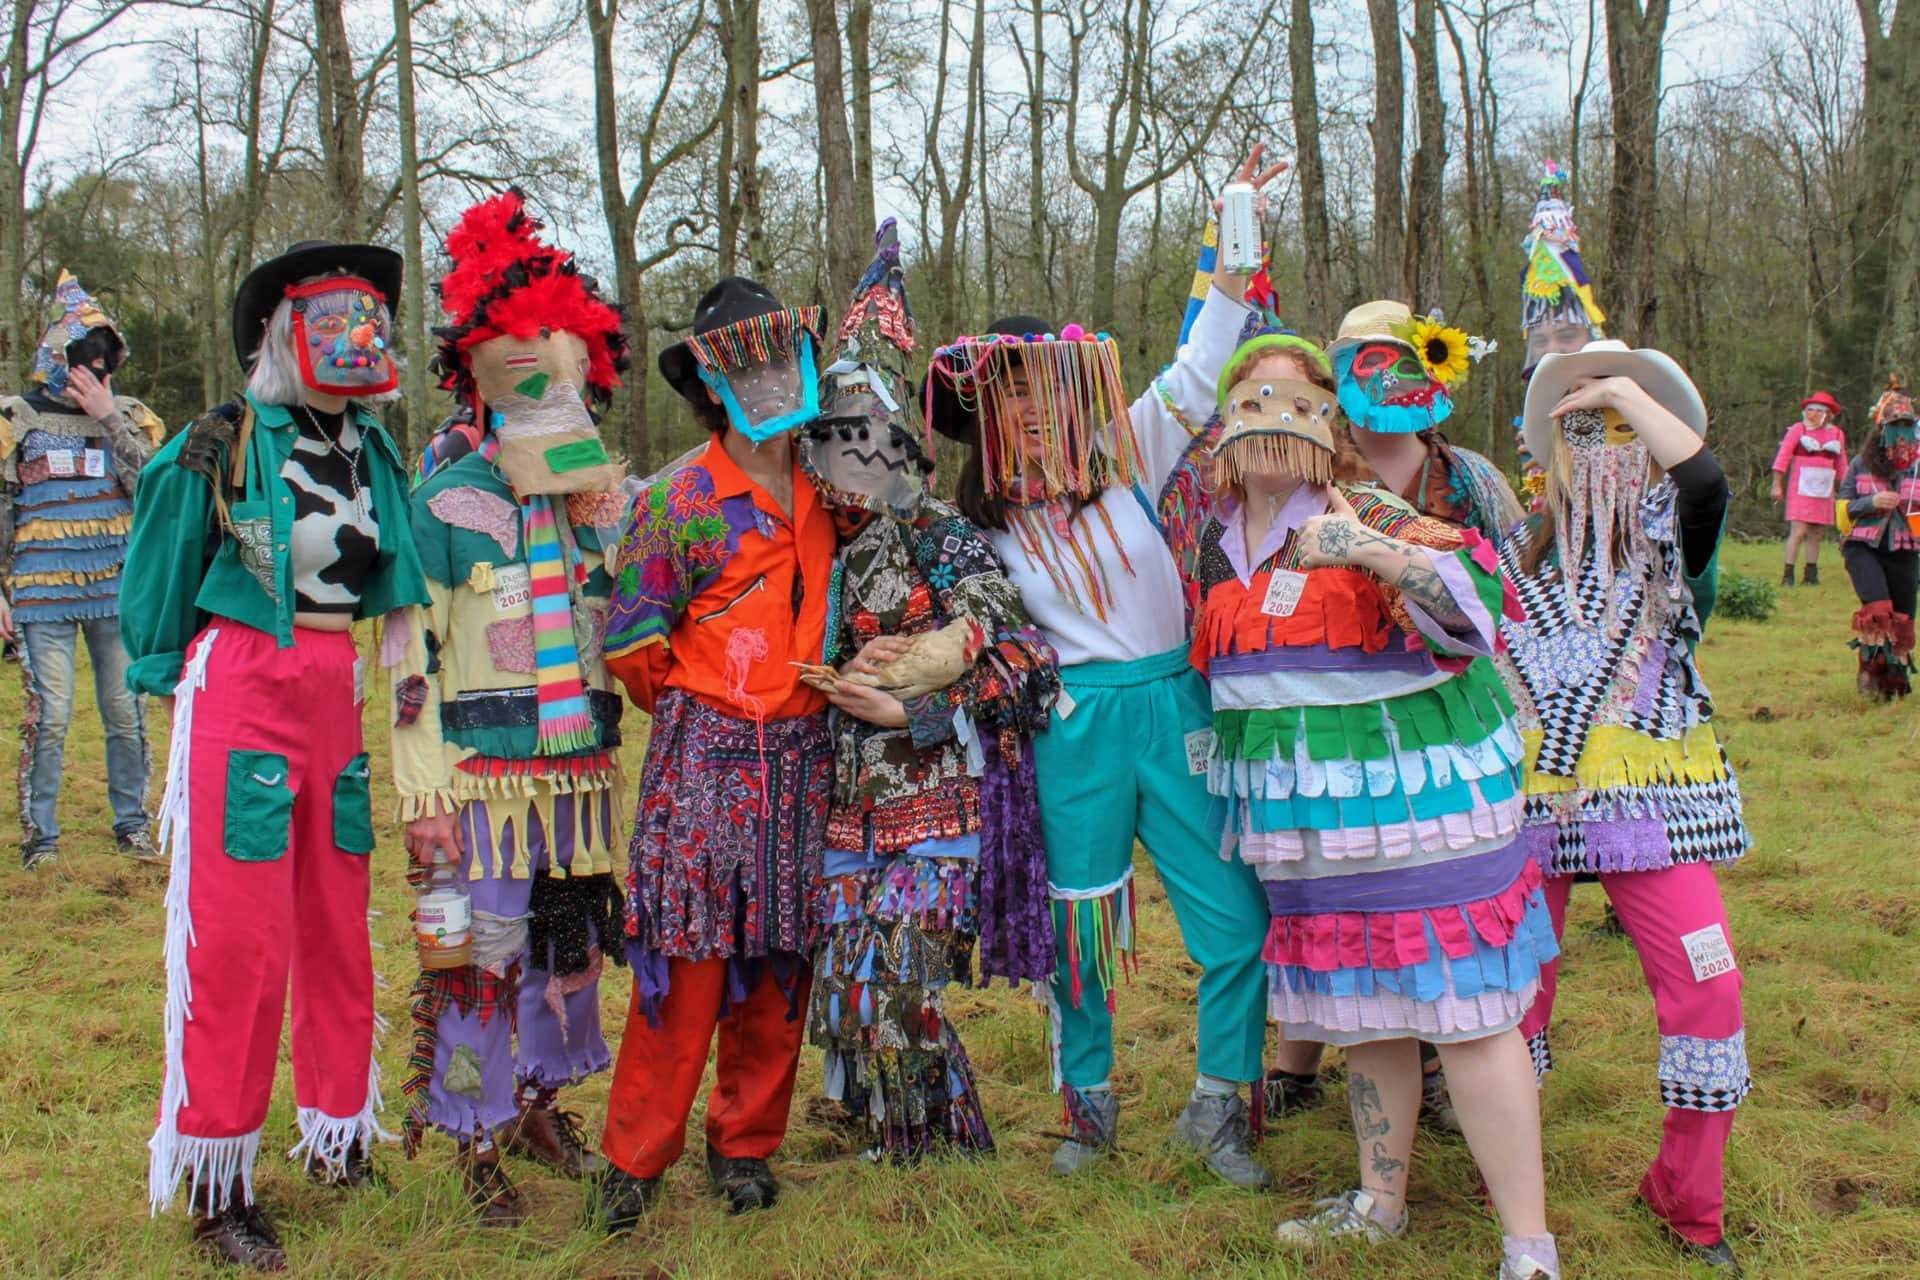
(335, 540)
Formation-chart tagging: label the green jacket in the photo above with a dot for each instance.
(173, 582)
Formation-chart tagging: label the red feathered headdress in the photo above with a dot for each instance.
(506, 281)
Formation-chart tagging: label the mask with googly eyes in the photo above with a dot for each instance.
(1275, 425)
(1274, 406)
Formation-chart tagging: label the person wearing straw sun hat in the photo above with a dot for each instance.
(1625, 776)
(1060, 474)
(1804, 475)
(1370, 765)
(1879, 508)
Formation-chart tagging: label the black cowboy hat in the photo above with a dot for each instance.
(731, 300)
(945, 411)
(267, 283)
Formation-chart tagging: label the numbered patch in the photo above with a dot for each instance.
(512, 586)
(1284, 590)
(1708, 952)
(1199, 749)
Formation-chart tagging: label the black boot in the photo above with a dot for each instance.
(239, 1233)
(1786, 575)
(746, 1182)
(1811, 576)
(616, 1200)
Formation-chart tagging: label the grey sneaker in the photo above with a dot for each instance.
(1092, 1118)
(38, 852)
(1347, 1217)
(1436, 1108)
(138, 845)
(1526, 1269)
(1217, 1127)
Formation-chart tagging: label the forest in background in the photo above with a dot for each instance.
(1743, 172)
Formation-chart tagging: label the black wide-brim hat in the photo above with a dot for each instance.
(267, 283)
(946, 413)
(731, 300)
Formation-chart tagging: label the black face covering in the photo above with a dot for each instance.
(100, 344)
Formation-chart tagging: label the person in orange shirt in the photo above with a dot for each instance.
(720, 585)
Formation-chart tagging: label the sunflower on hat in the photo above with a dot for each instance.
(1444, 350)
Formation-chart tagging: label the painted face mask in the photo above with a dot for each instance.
(341, 333)
(1385, 387)
(1275, 427)
(861, 452)
(548, 441)
(1903, 444)
(771, 397)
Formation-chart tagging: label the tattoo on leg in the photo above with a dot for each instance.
(1384, 1166)
(1363, 1099)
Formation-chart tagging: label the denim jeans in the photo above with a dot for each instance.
(50, 660)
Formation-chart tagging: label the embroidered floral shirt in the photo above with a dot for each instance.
(717, 591)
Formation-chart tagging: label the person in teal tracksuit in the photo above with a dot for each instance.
(1059, 472)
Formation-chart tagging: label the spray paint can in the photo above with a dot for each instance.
(1239, 230)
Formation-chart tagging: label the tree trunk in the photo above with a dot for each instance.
(846, 241)
(1388, 130)
(860, 73)
(342, 142)
(207, 331)
(1317, 247)
(1634, 39)
(417, 422)
(1042, 279)
(1426, 248)
(1886, 223)
(602, 17)
(13, 195)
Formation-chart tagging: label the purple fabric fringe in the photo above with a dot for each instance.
(651, 977)
(1016, 917)
(1625, 844)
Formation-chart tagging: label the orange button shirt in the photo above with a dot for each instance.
(717, 591)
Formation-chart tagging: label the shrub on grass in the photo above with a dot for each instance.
(1746, 597)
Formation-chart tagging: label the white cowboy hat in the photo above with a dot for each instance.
(1656, 372)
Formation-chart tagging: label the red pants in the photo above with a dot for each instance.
(1703, 1055)
(269, 821)
(659, 1069)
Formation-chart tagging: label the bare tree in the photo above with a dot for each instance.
(657, 145)
(860, 77)
(413, 307)
(846, 241)
(1311, 167)
(1886, 222)
(342, 123)
(1388, 129)
(1635, 38)
(1426, 247)
(1107, 175)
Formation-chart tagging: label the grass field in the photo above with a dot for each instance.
(1823, 1175)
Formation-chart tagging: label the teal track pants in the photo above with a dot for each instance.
(1120, 767)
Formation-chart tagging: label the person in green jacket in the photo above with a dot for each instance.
(260, 534)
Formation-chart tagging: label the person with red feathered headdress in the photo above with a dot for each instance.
(506, 725)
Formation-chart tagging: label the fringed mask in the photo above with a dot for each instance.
(1608, 479)
(763, 370)
(1274, 426)
(341, 336)
(1052, 405)
(533, 392)
(1902, 441)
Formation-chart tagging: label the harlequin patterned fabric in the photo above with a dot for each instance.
(1624, 770)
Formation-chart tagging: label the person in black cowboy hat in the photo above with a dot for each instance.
(260, 534)
(720, 587)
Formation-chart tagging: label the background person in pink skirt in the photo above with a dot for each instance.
(1805, 473)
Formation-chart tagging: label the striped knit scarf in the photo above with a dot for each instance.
(554, 562)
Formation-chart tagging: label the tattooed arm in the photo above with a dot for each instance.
(1440, 595)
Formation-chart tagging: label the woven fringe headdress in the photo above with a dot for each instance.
(1084, 422)
(755, 340)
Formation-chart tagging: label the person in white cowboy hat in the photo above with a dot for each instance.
(1625, 776)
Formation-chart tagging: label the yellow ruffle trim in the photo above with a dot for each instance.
(65, 577)
(45, 529)
(1616, 756)
(536, 795)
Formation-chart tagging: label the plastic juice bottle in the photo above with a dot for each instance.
(443, 916)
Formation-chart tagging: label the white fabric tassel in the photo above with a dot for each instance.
(169, 1154)
(327, 1138)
